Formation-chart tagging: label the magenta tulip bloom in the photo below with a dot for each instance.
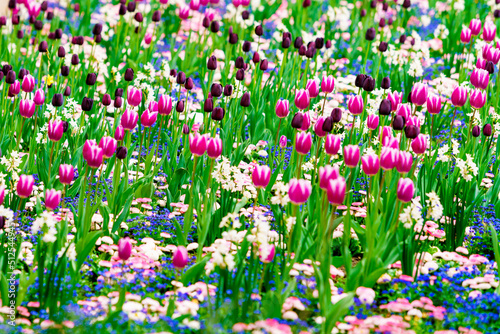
(302, 99)
(214, 148)
(119, 133)
(86, 148)
(326, 174)
(52, 199)
(434, 104)
(124, 249)
(267, 256)
(25, 186)
(395, 99)
(404, 110)
(405, 162)
(318, 127)
(27, 108)
(197, 144)
(332, 144)
(66, 174)
(195, 4)
(39, 98)
(465, 35)
(413, 120)
(459, 96)
(108, 145)
(184, 13)
(129, 119)
(489, 31)
(283, 141)
(180, 258)
(14, 88)
(477, 99)
(299, 191)
(419, 144)
(388, 158)
(313, 88)
(134, 96)
(355, 105)
(370, 163)
(475, 26)
(480, 78)
(351, 155)
(336, 191)
(261, 176)
(406, 190)
(164, 105)
(372, 121)
(303, 143)
(55, 130)
(28, 83)
(493, 55)
(306, 122)
(327, 84)
(282, 108)
(94, 156)
(419, 94)
(148, 118)
(2, 195)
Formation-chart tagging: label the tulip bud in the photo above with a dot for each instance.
(52, 199)
(87, 104)
(385, 107)
(370, 34)
(406, 190)
(398, 123)
(214, 148)
(124, 249)
(351, 155)
(419, 144)
(180, 257)
(197, 144)
(66, 174)
(370, 164)
(297, 120)
(303, 143)
(218, 114)
(476, 131)
(372, 122)
(302, 99)
(259, 31)
(245, 100)
(326, 174)
(336, 115)
(179, 106)
(487, 130)
(121, 152)
(355, 104)
(282, 108)
(299, 191)
(312, 87)
(261, 176)
(55, 130)
(25, 185)
(328, 124)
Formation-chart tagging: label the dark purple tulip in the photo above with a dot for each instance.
(245, 100)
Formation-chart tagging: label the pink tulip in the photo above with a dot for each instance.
(395, 99)
(2, 195)
(55, 130)
(214, 148)
(119, 133)
(28, 83)
(351, 155)
(148, 38)
(386, 131)
(261, 176)
(493, 55)
(327, 84)
(129, 119)
(124, 249)
(306, 122)
(405, 162)
(303, 143)
(372, 121)
(86, 148)
(404, 110)
(236, 3)
(299, 191)
(326, 174)
(184, 13)
(355, 104)
(388, 158)
(180, 258)
(25, 186)
(197, 144)
(413, 120)
(475, 26)
(282, 108)
(33, 8)
(313, 88)
(481, 63)
(419, 94)
(489, 31)
(486, 49)
(332, 144)
(39, 98)
(66, 174)
(164, 105)
(480, 78)
(108, 145)
(283, 141)
(52, 199)
(477, 99)
(390, 142)
(434, 104)
(465, 35)
(15, 88)
(148, 118)
(336, 191)
(267, 255)
(370, 163)
(302, 99)
(134, 96)
(318, 127)
(459, 96)
(406, 190)
(94, 156)
(419, 144)
(27, 108)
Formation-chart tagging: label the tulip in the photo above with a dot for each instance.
(372, 122)
(282, 108)
(326, 174)
(261, 176)
(480, 78)
(303, 143)
(184, 13)
(413, 120)
(336, 191)
(489, 31)
(28, 83)
(419, 94)
(283, 141)
(494, 55)
(267, 256)
(39, 98)
(370, 163)
(214, 148)
(459, 96)
(14, 89)
(86, 148)
(395, 99)
(134, 96)
(66, 174)
(405, 162)
(386, 131)
(351, 155)
(302, 99)
(197, 144)
(355, 105)
(312, 87)
(27, 108)
(476, 131)
(129, 119)
(434, 104)
(318, 127)
(388, 158)
(2, 195)
(475, 26)
(124, 249)
(299, 191)
(306, 122)
(108, 145)
(327, 84)
(52, 199)
(487, 130)
(465, 35)
(119, 133)
(404, 110)
(164, 105)
(332, 144)
(25, 186)
(477, 99)
(485, 51)
(297, 120)
(180, 258)
(94, 156)
(55, 130)
(148, 118)
(406, 190)
(419, 144)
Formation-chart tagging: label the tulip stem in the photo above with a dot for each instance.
(352, 128)
(139, 158)
(50, 163)
(20, 134)
(189, 218)
(470, 123)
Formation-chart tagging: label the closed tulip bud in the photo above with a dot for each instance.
(119, 92)
(214, 148)
(180, 257)
(261, 176)
(480, 78)
(475, 26)
(245, 100)
(197, 144)
(490, 67)
(318, 127)
(121, 153)
(42, 47)
(282, 108)
(214, 27)
(328, 124)
(228, 90)
(419, 144)
(179, 107)
(93, 154)
(206, 22)
(381, 24)
(216, 90)
(246, 48)
(129, 74)
(303, 143)
(164, 105)
(302, 99)
(66, 174)
(311, 52)
(108, 146)
(369, 84)
(434, 104)
(208, 105)
(386, 83)
(124, 249)
(336, 115)
(138, 17)
(360, 79)
(411, 131)
(181, 78)
(134, 96)
(406, 4)
(129, 119)
(496, 13)
(477, 99)
(395, 99)
(22, 73)
(39, 98)
(118, 102)
(487, 130)
(106, 100)
(459, 96)
(326, 174)
(156, 17)
(148, 118)
(264, 64)
(372, 122)
(370, 163)
(385, 107)
(87, 104)
(55, 130)
(419, 94)
(27, 108)
(212, 63)
(476, 131)
(489, 31)
(259, 31)
(389, 158)
(25, 185)
(465, 35)
(233, 38)
(405, 162)
(28, 83)
(302, 50)
(327, 84)
(406, 190)
(239, 63)
(52, 199)
(298, 42)
(218, 114)
(10, 78)
(370, 34)
(351, 155)
(382, 47)
(75, 60)
(14, 89)
(64, 71)
(240, 75)
(332, 144)
(283, 142)
(313, 88)
(91, 79)
(355, 105)
(299, 191)
(297, 120)
(336, 191)
(65, 126)
(398, 123)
